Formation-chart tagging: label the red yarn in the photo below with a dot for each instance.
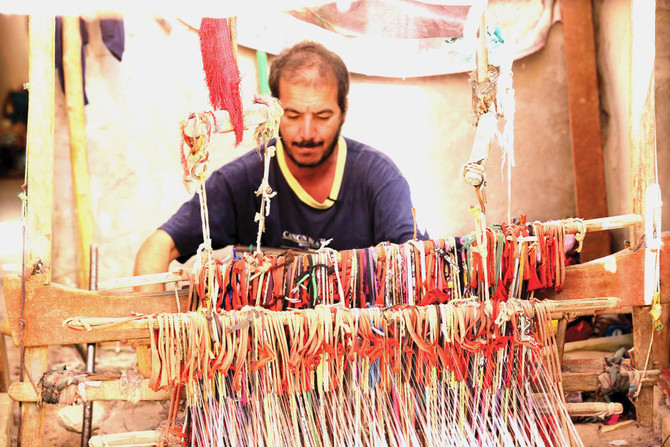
(221, 71)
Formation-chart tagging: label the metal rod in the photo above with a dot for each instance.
(87, 421)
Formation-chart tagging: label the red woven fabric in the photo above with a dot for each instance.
(221, 71)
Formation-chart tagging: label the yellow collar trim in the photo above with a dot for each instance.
(298, 189)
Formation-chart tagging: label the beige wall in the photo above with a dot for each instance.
(13, 57)
(424, 124)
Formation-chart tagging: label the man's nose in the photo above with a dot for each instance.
(307, 128)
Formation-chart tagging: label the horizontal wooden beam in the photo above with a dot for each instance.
(48, 306)
(104, 390)
(149, 437)
(588, 381)
(45, 324)
(589, 409)
(111, 390)
(620, 274)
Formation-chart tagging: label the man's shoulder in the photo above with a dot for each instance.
(356, 147)
(249, 162)
(362, 155)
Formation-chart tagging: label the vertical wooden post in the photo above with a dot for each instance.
(561, 330)
(39, 210)
(584, 117)
(74, 101)
(642, 128)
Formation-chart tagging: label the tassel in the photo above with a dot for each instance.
(221, 71)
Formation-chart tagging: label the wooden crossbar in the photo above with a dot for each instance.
(619, 275)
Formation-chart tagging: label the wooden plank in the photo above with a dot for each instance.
(620, 275)
(644, 406)
(588, 381)
(40, 148)
(39, 208)
(32, 421)
(74, 102)
(561, 328)
(584, 117)
(46, 322)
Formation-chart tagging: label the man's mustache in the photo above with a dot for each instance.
(308, 143)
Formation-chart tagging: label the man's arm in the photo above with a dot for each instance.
(154, 256)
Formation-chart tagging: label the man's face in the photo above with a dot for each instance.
(311, 122)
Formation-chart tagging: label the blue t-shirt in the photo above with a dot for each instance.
(372, 205)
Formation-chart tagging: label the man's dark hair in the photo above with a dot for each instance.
(310, 56)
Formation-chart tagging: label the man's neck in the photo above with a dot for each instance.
(316, 181)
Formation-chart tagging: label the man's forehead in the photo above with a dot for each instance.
(316, 95)
(310, 77)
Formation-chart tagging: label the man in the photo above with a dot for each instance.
(328, 187)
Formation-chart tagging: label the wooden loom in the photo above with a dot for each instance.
(39, 290)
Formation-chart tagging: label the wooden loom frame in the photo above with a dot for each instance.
(586, 280)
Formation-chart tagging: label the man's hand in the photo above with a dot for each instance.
(154, 256)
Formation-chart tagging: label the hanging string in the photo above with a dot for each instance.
(263, 134)
(438, 375)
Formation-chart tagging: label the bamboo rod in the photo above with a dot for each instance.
(607, 344)
(558, 310)
(600, 224)
(137, 438)
(74, 101)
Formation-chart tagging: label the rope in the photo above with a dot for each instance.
(263, 134)
(196, 132)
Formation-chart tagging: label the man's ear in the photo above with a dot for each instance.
(346, 108)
